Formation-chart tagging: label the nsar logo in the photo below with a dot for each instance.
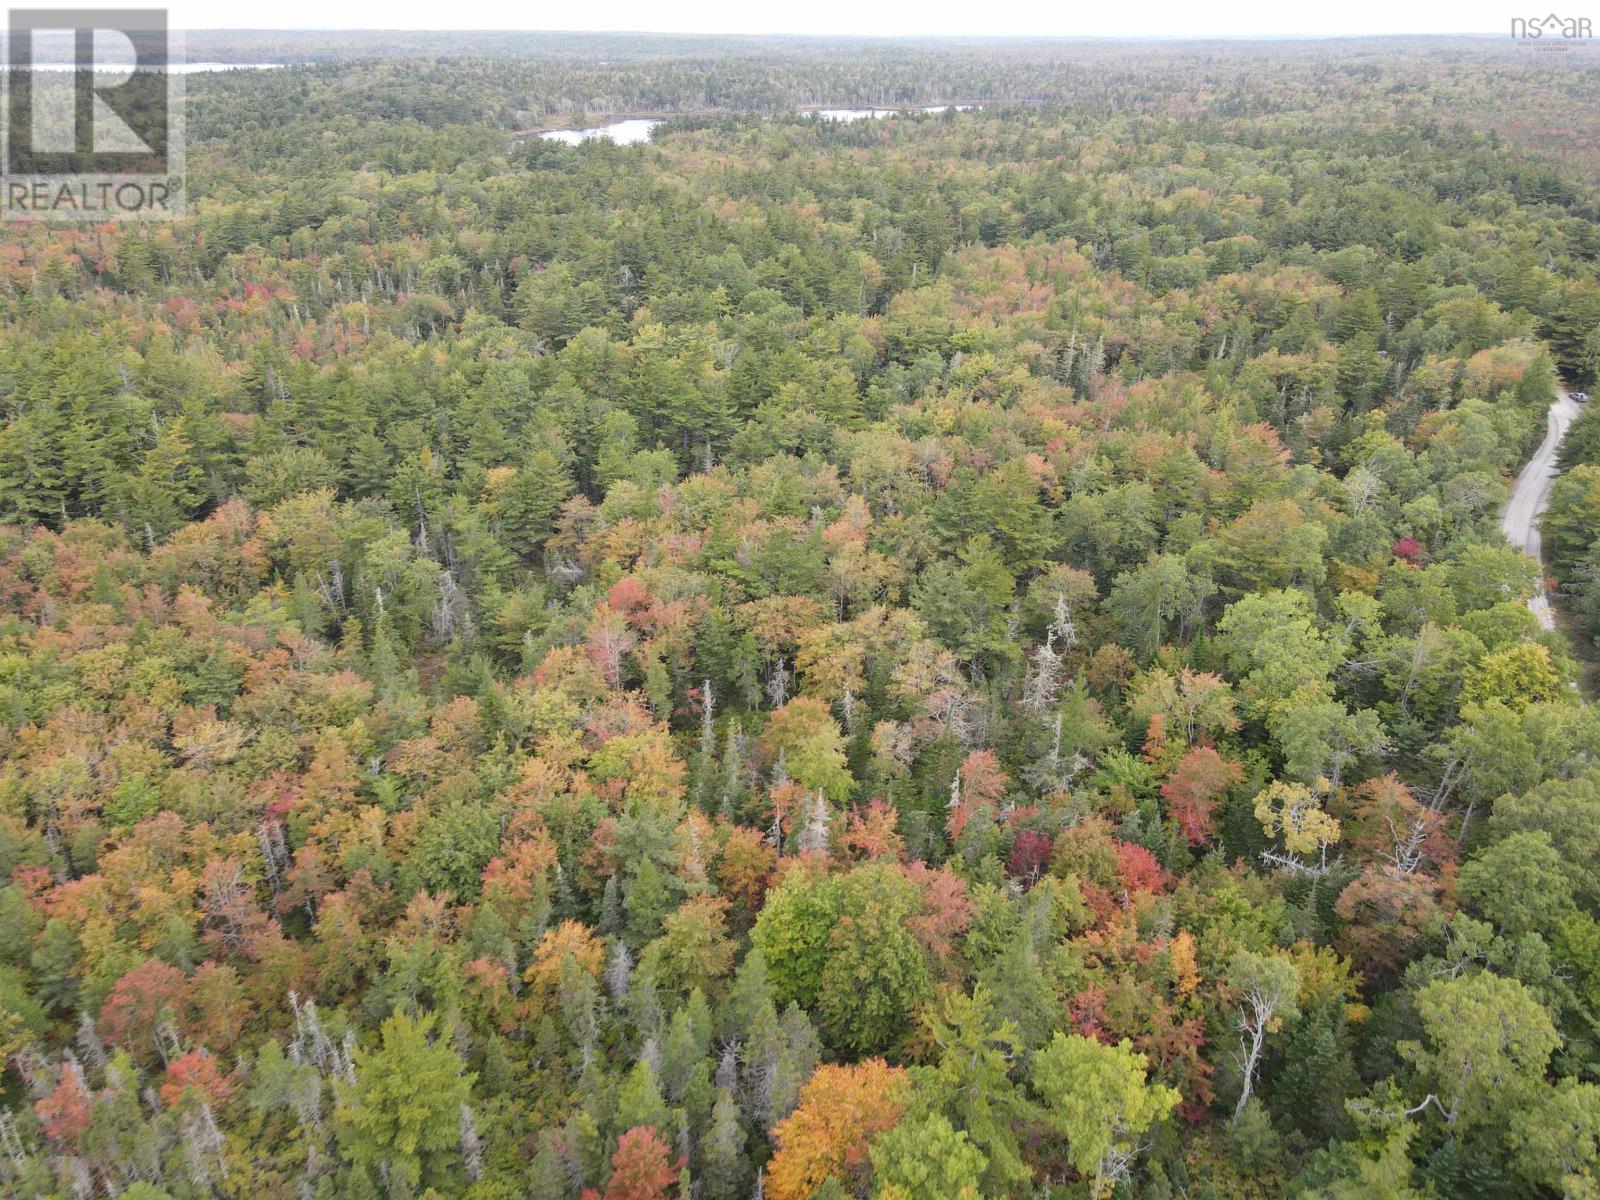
(1553, 30)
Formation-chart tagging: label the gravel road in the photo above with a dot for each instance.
(1529, 495)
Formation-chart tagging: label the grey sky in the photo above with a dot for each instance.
(1068, 18)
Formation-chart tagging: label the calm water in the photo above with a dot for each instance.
(637, 129)
(200, 68)
(857, 114)
(623, 133)
(204, 68)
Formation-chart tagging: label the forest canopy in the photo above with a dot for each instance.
(966, 654)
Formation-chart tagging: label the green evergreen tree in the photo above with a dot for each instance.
(399, 1119)
(530, 505)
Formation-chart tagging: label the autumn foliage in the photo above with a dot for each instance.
(841, 1108)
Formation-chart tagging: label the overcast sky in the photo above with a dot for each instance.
(1062, 18)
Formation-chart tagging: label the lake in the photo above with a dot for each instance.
(199, 68)
(857, 114)
(623, 133)
(202, 68)
(637, 129)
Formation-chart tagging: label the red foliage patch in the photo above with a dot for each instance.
(1029, 854)
(1139, 870)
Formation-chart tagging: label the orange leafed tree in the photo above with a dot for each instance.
(135, 1005)
(841, 1109)
(568, 940)
(66, 1112)
(983, 785)
(744, 867)
(872, 832)
(642, 1167)
(199, 1071)
(1200, 779)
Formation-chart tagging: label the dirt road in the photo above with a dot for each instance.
(1520, 520)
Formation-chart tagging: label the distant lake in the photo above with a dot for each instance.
(637, 129)
(200, 68)
(623, 133)
(857, 114)
(205, 67)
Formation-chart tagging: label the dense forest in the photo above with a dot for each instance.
(958, 655)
